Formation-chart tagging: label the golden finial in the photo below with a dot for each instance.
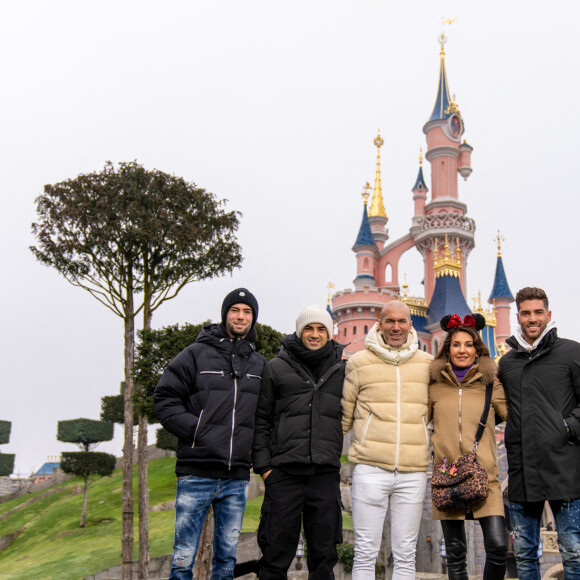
(448, 21)
(377, 208)
(446, 246)
(420, 156)
(499, 239)
(330, 287)
(405, 287)
(366, 192)
(436, 254)
(453, 107)
(442, 40)
(458, 251)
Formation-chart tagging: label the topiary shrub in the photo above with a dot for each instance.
(5, 432)
(6, 464)
(84, 432)
(166, 440)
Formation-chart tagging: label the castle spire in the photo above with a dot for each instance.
(377, 207)
(442, 102)
(365, 235)
(501, 287)
(420, 184)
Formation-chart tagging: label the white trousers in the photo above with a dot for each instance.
(373, 489)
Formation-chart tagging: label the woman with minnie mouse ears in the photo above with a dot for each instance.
(459, 376)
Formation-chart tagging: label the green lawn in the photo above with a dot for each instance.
(52, 546)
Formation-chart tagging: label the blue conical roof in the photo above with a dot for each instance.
(442, 101)
(447, 299)
(329, 310)
(365, 235)
(500, 288)
(420, 183)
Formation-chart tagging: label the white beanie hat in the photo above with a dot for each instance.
(311, 314)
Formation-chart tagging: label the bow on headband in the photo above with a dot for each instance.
(455, 321)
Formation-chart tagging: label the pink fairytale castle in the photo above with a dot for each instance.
(440, 231)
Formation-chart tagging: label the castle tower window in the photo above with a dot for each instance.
(354, 330)
(389, 273)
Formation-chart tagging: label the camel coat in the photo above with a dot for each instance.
(456, 410)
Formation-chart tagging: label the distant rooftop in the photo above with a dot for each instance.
(48, 468)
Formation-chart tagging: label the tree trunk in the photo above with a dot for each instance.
(143, 501)
(84, 510)
(142, 461)
(205, 550)
(127, 527)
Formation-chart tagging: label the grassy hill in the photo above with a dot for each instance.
(53, 546)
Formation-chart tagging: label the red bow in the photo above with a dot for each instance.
(455, 321)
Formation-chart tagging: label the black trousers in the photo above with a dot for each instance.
(494, 540)
(288, 500)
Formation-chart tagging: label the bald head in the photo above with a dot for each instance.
(395, 323)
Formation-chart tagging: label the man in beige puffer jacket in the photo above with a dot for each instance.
(385, 401)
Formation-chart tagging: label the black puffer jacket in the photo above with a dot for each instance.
(298, 419)
(207, 397)
(543, 390)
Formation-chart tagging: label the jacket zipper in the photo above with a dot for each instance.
(212, 373)
(233, 422)
(196, 428)
(398, 417)
(426, 431)
(460, 419)
(254, 377)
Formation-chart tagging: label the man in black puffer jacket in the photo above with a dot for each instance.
(207, 397)
(541, 378)
(297, 448)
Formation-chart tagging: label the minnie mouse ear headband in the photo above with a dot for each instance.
(451, 321)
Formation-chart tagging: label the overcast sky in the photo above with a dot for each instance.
(274, 106)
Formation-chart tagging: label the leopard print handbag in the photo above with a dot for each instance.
(459, 486)
(463, 484)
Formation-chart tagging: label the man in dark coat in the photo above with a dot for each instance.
(207, 397)
(297, 448)
(541, 377)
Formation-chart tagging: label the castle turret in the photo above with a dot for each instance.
(377, 215)
(420, 189)
(445, 214)
(501, 297)
(366, 252)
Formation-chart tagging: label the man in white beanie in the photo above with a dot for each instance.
(297, 448)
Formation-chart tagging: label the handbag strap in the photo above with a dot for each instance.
(483, 420)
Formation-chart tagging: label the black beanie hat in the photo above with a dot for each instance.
(240, 296)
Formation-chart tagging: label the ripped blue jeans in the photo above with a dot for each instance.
(525, 522)
(195, 495)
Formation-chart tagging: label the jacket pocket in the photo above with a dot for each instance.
(197, 429)
(366, 428)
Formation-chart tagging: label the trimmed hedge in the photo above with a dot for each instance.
(5, 432)
(6, 464)
(85, 463)
(166, 440)
(84, 431)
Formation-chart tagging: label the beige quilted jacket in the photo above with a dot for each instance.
(385, 401)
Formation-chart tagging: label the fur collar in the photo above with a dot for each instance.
(485, 365)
